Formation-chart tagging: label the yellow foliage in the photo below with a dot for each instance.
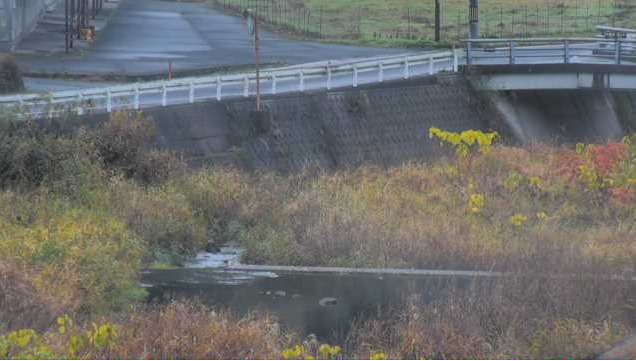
(467, 141)
(476, 203)
(518, 220)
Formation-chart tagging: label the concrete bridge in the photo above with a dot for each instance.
(551, 64)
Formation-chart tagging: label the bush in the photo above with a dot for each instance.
(82, 258)
(21, 306)
(10, 76)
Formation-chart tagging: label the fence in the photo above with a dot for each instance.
(189, 90)
(372, 21)
(550, 51)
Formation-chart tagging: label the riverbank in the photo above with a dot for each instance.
(83, 210)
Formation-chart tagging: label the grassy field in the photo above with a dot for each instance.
(411, 22)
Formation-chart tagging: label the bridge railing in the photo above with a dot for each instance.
(550, 51)
(324, 75)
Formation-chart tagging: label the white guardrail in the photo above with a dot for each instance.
(323, 75)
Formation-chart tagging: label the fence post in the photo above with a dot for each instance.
(301, 76)
(455, 61)
(109, 101)
(80, 98)
(381, 72)
(406, 67)
(246, 86)
(329, 76)
(273, 83)
(219, 85)
(355, 75)
(164, 95)
(136, 101)
(191, 91)
(469, 52)
(431, 65)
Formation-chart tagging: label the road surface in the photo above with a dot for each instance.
(143, 36)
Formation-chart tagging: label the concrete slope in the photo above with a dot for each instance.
(144, 35)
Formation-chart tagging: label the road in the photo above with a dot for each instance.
(143, 36)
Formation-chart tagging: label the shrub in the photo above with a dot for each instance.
(10, 76)
(21, 305)
(80, 257)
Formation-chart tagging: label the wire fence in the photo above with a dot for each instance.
(369, 21)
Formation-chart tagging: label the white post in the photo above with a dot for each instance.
(328, 76)
(246, 86)
(109, 101)
(273, 83)
(301, 76)
(164, 95)
(355, 75)
(136, 105)
(431, 64)
(406, 68)
(219, 84)
(455, 62)
(191, 91)
(80, 109)
(381, 72)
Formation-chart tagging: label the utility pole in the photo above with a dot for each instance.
(438, 21)
(252, 25)
(473, 10)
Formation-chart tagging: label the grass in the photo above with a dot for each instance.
(411, 23)
(83, 210)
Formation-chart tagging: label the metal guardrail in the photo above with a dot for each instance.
(550, 51)
(193, 89)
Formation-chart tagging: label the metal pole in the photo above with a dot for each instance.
(473, 10)
(438, 21)
(257, 60)
(66, 25)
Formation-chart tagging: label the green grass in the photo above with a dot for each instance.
(411, 22)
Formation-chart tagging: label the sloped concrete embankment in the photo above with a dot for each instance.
(565, 116)
(384, 124)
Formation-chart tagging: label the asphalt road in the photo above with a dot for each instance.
(143, 36)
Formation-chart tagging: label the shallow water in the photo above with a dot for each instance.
(295, 298)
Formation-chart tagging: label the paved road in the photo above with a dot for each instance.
(144, 35)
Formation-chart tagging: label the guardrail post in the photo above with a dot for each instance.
(566, 51)
(301, 76)
(219, 85)
(455, 61)
(618, 47)
(246, 86)
(381, 72)
(469, 54)
(136, 101)
(431, 64)
(109, 101)
(164, 94)
(513, 56)
(191, 91)
(355, 75)
(329, 76)
(80, 99)
(406, 67)
(273, 83)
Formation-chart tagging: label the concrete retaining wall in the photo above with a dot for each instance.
(384, 125)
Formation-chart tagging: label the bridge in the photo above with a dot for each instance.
(491, 64)
(544, 64)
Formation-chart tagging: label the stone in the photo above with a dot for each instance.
(327, 301)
